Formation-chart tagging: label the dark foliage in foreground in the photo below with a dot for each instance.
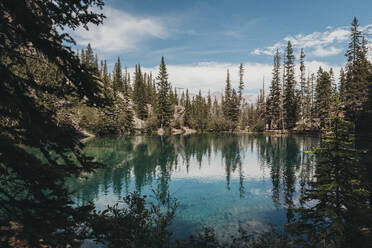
(269, 239)
(34, 202)
(136, 222)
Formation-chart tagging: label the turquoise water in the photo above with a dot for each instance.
(222, 181)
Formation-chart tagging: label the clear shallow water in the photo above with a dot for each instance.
(222, 181)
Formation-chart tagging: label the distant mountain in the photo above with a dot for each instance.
(250, 98)
(247, 98)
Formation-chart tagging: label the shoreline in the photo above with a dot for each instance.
(184, 131)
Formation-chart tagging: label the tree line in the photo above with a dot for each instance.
(303, 105)
(154, 101)
(312, 99)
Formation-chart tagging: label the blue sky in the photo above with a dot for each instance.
(201, 39)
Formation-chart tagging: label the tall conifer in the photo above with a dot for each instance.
(323, 98)
(274, 95)
(187, 115)
(241, 82)
(117, 79)
(302, 84)
(138, 94)
(290, 103)
(356, 74)
(163, 108)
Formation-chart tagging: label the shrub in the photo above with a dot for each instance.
(151, 124)
(176, 124)
(139, 223)
(259, 126)
(220, 124)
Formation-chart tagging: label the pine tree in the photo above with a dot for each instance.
(231, 102)
(153, 93)
(137, 80)
(342, 85)
(290, 103)
(308, 99)
(171, 97)
(117, 81)
(95, 65)
(273, 104)
(209, 106)
(200, 112)
(128, 122)
(89, 56)
(337, 197)
(261, 104)
(106, 80)
(234, 107)
(302, 84)
(126, 82)
(216, 108)
(187, 115)
(82, 57)
(323, 97)
(182, 99)
(227, 97)
(356, 90)
(101, 68)
(367, 117)
(176, 100)
(241, 82)
(138, 94)
(366, 113)
(194, 108)
(163, 108)
(149, 90)
(333, 82)
(282, 115)
(89, 60)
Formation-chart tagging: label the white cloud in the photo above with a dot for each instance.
(313, 66)
(324, 52)
(318, 44)
(265, 51)
(121, 32)
(212, 75)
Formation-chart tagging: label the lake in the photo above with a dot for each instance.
(223, 181)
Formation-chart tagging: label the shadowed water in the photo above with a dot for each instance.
(222, 181)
